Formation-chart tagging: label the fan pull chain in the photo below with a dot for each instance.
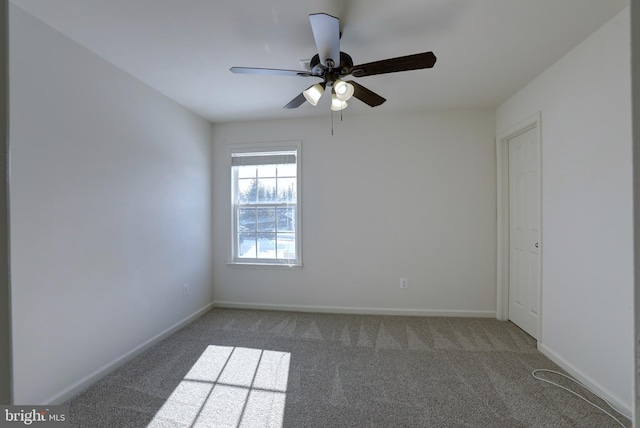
(332, 122)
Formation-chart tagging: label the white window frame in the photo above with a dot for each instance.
(267, 149)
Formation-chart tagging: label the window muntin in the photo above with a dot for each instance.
(265, 194)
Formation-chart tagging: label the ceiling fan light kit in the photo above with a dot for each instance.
(331, 65)
(344, 90)
(313, 93)
(337, 104)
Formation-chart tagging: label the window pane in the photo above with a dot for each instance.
(246, 171)
(288, 170)
(267, 190)
(266, 171)
(247, 190)
(266, 220)
(246, 219)
(286, 219)
(247, 245)
(286, 189)
(286, 246)
(267, 246)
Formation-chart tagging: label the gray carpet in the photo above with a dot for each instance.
(263, 368)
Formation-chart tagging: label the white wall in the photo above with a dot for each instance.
(110, 212)
(388, 196)
(587, 279)
(635, 78)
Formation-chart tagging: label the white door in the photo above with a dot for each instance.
(524, 230)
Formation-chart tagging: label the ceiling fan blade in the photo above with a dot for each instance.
(296, 102)
(270, 71)
(392, 65)
(326, 32)
(365, 95)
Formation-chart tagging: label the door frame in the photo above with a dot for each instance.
(502, 168)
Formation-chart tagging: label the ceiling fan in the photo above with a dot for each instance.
(331, 65)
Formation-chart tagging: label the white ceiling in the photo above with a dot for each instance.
(486, 49)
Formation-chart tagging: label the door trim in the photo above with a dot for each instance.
(502, 168)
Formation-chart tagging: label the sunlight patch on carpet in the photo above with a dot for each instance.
(230, 387)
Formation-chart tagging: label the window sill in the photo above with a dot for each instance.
(264, 265)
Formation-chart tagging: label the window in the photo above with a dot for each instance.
(266, 215)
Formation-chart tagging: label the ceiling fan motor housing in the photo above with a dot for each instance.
(346, 63)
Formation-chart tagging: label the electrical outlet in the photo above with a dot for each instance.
(404, 283)
(185, 290)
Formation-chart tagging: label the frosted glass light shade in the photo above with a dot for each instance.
(337, 104)
(313, 93)
(343, 90)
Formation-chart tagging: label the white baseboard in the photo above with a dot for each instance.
(594, 386)
(92, 378)
(356, 310)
